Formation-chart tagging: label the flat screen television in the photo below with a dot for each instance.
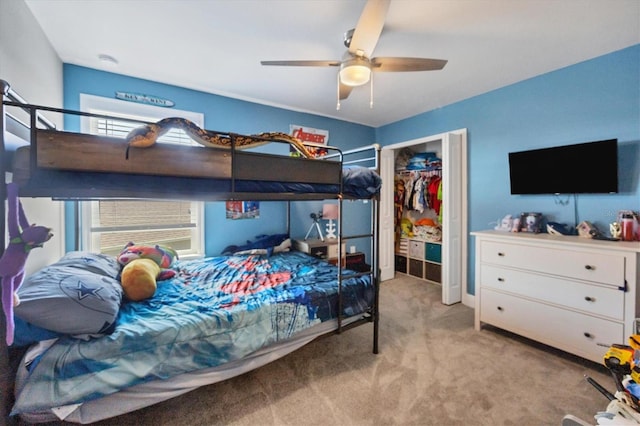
(584, 168)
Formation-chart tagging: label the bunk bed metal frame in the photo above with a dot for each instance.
(242, 166)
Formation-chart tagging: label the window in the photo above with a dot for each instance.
(108, 225)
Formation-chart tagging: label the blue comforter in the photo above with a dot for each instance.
(215, 310)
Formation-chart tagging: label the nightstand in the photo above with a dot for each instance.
(354, 261)
(327, 249)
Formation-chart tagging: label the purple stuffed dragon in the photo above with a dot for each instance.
(15, 256)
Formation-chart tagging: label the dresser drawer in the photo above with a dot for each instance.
(592, 299)
(576, 333)
(596, 267)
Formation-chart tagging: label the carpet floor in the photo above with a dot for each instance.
(433, 369)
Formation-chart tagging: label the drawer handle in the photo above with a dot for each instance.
(500, 308)
(588, 335)
(589, 299)
(589, 268)
(500, 253)
(501, 279)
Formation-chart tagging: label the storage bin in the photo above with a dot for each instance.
(433, 272)
(434, 252)
(416, 268)
(401, 264)
(416, 249)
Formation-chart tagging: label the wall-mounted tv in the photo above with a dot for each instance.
(584, 168)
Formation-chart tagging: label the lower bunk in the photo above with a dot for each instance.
(214, 319)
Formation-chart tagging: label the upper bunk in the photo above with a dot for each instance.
(47, 162)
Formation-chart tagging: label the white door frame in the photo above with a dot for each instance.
(455, 248)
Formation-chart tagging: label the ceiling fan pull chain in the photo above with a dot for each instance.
(338, 93)
(371, 92)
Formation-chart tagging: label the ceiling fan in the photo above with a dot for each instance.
(357, 64)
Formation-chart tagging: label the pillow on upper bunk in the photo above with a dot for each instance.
(360, 181)
(77, 295)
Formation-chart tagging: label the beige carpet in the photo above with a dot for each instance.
(433, 369)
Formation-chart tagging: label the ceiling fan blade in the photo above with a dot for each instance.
(391, 64)
(369, 27)
(344, 91)
(303, 63)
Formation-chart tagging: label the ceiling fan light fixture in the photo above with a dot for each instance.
(355, 72)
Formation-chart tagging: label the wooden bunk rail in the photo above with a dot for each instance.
(35, 112)
(54, 154)
(79, 152)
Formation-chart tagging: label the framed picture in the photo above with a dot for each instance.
(531, 222)
(318, 137)
(243, 209)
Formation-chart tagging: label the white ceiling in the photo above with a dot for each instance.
(216, 46)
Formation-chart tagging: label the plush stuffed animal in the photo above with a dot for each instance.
(267, 244)
(138, 279)
(280, 248)
(407, 227)
(143, 267)
(15, 256)
(163, 256)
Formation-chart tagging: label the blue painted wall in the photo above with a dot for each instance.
(222, 114)
(594, 100)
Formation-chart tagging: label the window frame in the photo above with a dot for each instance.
(96, 104)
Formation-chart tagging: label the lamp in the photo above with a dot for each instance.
(355, 71)
(330, 212)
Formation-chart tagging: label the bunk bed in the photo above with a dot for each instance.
(318, 299)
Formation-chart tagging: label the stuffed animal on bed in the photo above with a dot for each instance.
(264, 244)
(143, 266)
(12, 262)
(280, 248)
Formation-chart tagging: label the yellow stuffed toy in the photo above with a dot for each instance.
(139, 279)
(143, 266)
(407, 227)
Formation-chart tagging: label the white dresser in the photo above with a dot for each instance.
(576, 294)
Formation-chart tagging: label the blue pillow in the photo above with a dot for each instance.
(77, 295)
(27, 334)
(360, 181)
(92, 262)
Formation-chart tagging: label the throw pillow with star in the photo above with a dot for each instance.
(79, 295)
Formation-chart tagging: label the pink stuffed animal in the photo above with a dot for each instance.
(15, 256)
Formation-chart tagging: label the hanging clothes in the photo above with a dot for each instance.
(440, 208)
(418, 194)
(420, 190)
(398, 200)
(434, 202)
(408, 189)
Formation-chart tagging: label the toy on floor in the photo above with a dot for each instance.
(143, 267)
(12, 262)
